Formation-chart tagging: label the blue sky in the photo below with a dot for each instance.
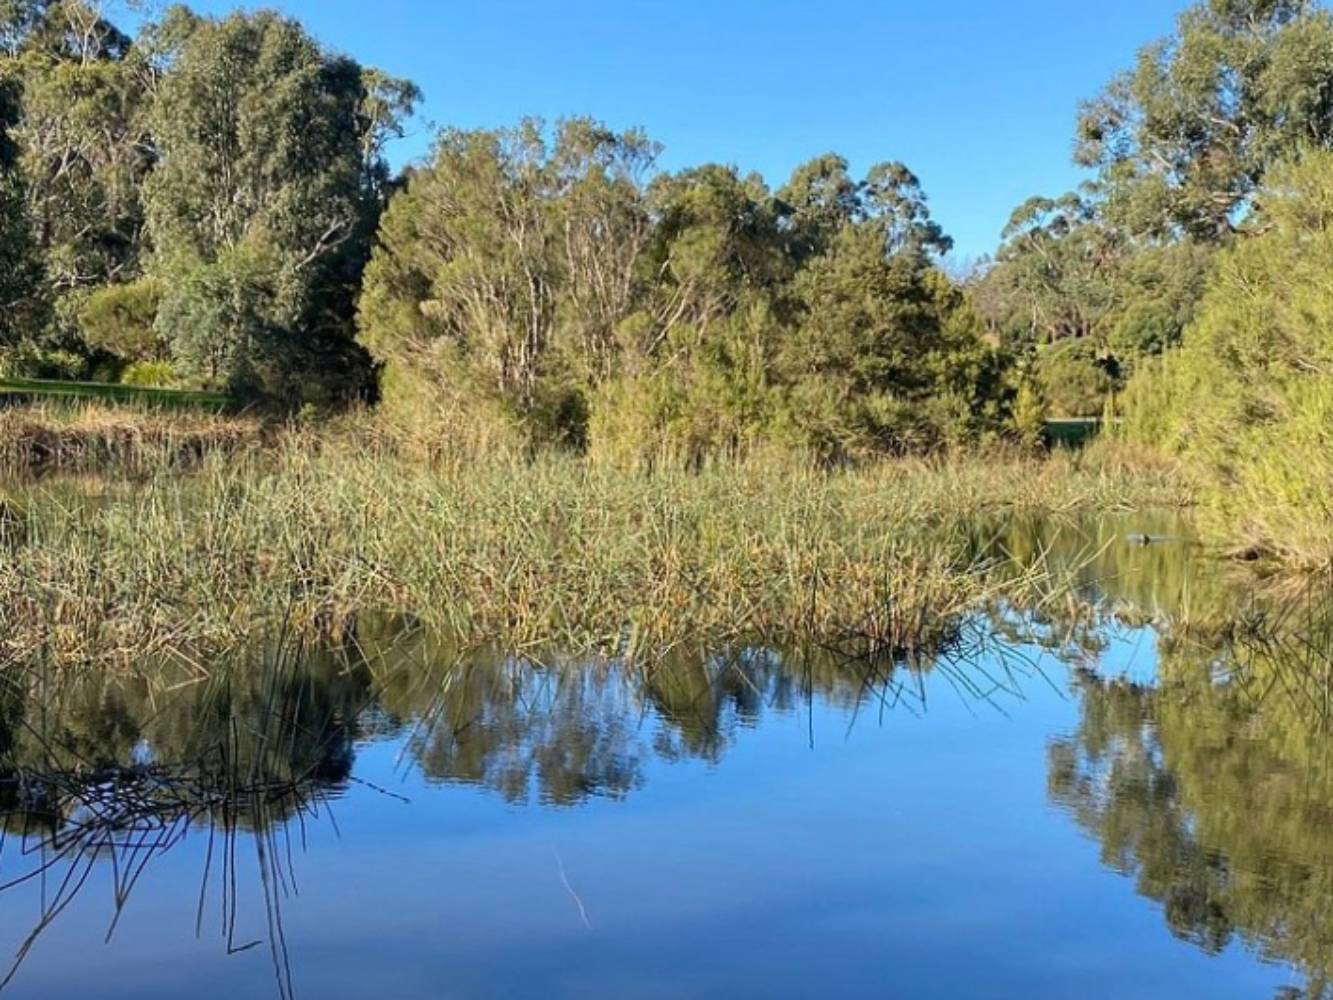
(978, 97)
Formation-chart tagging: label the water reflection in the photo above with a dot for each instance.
(116, 772)
(1208, 781)
(1213, 790)
(559, 731)
(1204, 778)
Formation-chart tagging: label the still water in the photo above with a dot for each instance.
(1131, 801)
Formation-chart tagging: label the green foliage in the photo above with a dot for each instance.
(1184, 138)
(119, 319)
(507, 269)
(1180, 143)
(1073, 380)
(218, 319)
(1249, 397)
(713, 399)
(1065, 276)
(883, 348)
(1029, 417)
(150, 374)
(22, 305)
(262, 208)
(83, 151)
(535, 275)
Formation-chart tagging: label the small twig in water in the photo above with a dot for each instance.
(583, 913)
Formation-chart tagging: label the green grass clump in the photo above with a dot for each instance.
(318, 529)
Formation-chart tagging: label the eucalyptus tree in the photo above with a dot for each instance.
(1084, 301)
(697, 374)
(887, 355)
(1182, 140)
(884, 355)
(82, 150)
(1181, 144)
(508, 266)
(265, 201)
(21, 297)
(820, 198)
(1056, 270)
(717, 242)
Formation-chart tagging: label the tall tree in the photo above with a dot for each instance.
(1056, 268)
(20, 268)
(265, 202)
(821, 198)
(717, 242)
(509, 263)
(1183, 139)
(887, 357)
(82, 149)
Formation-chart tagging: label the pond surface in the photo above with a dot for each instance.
(1128, 802)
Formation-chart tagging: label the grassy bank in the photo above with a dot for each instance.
(317, 529)
(80, 437)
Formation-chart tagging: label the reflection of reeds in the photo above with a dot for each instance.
(125, 819)
(250, 752)
(259, 778)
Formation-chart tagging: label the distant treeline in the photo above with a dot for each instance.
(207, 204)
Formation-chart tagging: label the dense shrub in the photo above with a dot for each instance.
(1249, 397)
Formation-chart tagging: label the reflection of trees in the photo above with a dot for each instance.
(564, 729)
(506, 723)
(1214, 791)
(293, 718)
(1210, 787)
(1089, 580)
(1139, 567)
(114, 772)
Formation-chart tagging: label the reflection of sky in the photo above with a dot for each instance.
(1130, 655)
(911, 856)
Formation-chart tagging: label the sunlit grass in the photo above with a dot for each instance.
(318, 528)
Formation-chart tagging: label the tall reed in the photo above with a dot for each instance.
(319, 529)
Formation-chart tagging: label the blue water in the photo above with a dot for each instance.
(911, 849)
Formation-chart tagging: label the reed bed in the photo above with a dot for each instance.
(315, 530)
(91, 437)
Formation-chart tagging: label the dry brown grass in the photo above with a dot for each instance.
(91, 437)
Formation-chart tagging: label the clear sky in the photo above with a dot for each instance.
(978, 97)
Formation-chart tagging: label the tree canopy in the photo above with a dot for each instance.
(208, 202)
(201, 156)
(547, 275)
